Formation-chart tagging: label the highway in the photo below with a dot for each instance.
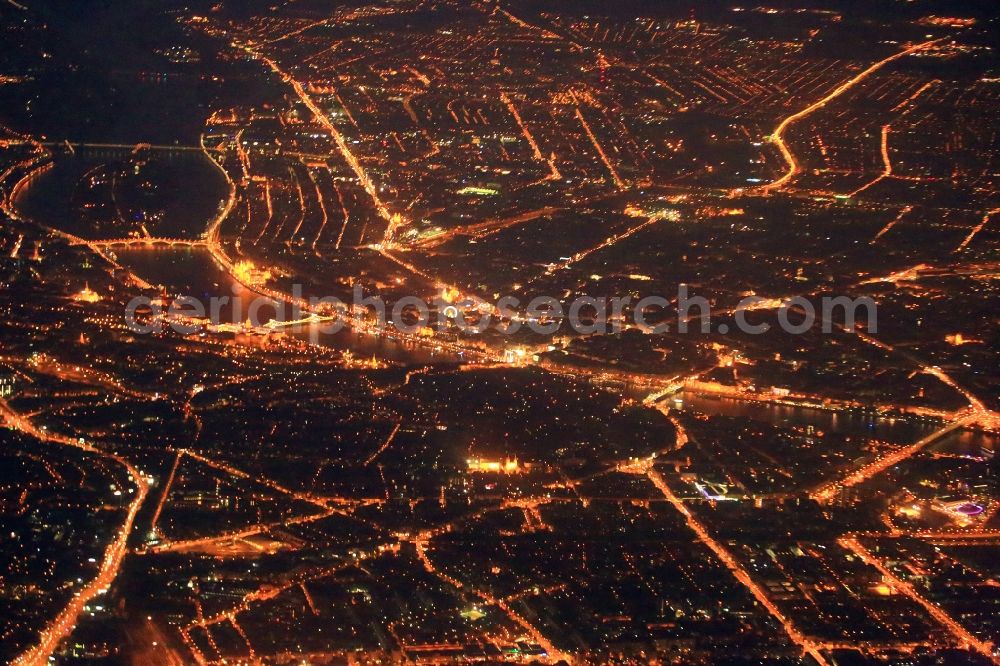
(64, 623)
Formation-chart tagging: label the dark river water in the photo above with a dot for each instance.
(899, 430)
(53, 199)
(105, 193)
(50, 200)
(194, 272)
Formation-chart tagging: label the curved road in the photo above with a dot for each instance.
(64, 623)
(778, 137)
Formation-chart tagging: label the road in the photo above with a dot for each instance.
(64, 623)
(879, 465)
(808, 646)
(778, 137)
(393, 220)
(960, 634)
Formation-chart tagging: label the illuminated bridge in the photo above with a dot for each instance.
(115, 150)
(147, 242)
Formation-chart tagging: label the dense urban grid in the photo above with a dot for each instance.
(253, 486)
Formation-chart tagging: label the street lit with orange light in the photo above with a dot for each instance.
(499, 332)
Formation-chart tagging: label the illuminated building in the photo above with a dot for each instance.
(86, 295)
(503, 466)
